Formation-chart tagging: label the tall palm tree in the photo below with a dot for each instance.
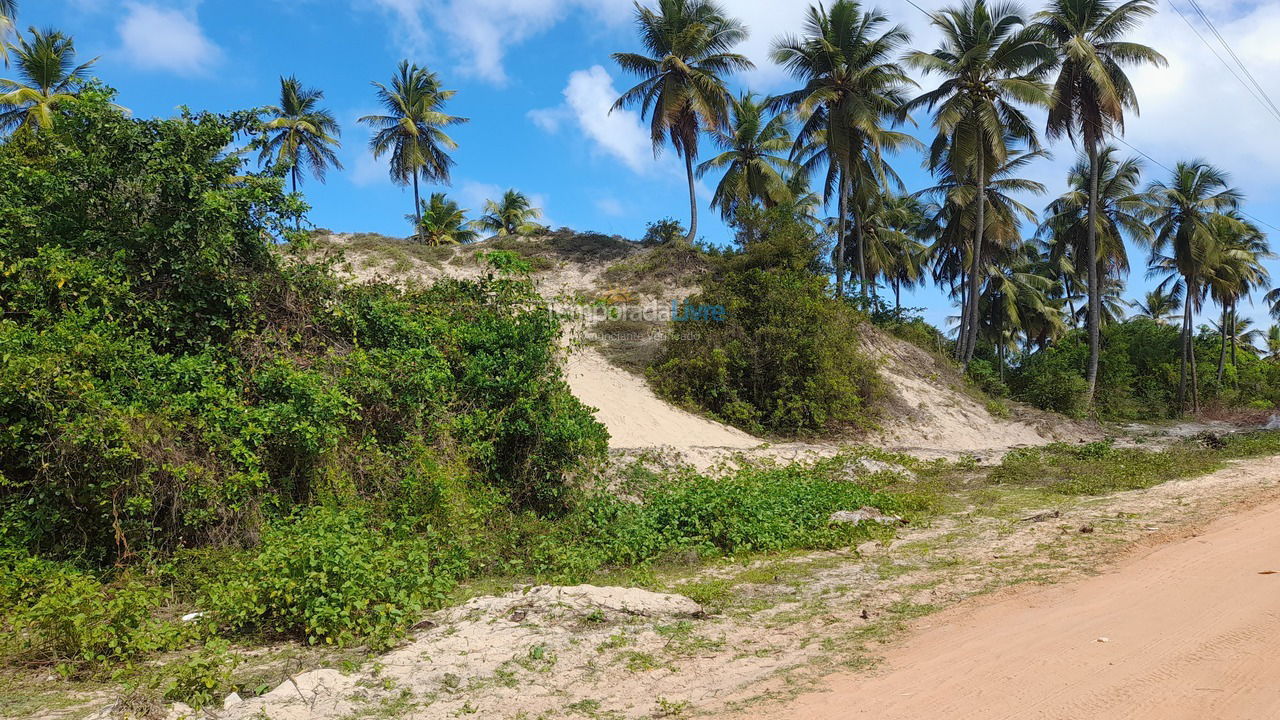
(1273, 299)
(1090, 97)
(955, 195)
(8, 22)
(413, 130)
(1121, 208)
(1161, 305)
(512, 215)
(48, 76)
(683, 87)
(853, 93)
(992, 63)
(754, 164)
(299, 133)
(441, 222)
(1235, 271)
(1184, 242)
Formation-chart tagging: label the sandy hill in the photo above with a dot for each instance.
(929, 409)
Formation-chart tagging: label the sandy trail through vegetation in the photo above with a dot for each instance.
(1186, 631)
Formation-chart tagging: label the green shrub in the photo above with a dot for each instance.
(785, 357)
(57, 615)
(175, 375)
(337, 577)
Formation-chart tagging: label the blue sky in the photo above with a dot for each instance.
(534, 77)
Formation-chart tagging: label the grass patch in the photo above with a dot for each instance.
(1099, 468)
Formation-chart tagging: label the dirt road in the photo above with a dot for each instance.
(1190, 630)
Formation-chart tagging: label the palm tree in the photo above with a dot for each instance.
(441, 222)
(683, 88)
(956, 196)
(1273, 343)
(852, 92)
(895, 231)
(1160, 305)
(992, 62)
(1184, 242)
(512, 215)
(413, 130)
(1121, 209)
(48, 76)
(300, 134)
(1235, 272)
(8, 21)
(1273, 299)
(1090, 97)
(752, 161)
(1016, 301)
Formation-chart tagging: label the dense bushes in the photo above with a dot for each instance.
(169, 382)
(783, 357)
(1138, 373)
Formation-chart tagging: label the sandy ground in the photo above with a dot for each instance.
(1186, 631)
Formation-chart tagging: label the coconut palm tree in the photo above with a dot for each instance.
(895, 231)
(1090, 97)
(8, 21)
(1121, 208)
(853, 92)
(299, 133)
(47, 77)
(1273, 299)
(441, 222)
(1016, 301)
(1273, 343)
(955, 197)
(1236, 270)
(992, 63)
(514, 214)
(754, 162)
(683, 87)
(1181, 211)
(413, 130)
(1161, 305)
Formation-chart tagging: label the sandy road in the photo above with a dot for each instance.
(1192, 630)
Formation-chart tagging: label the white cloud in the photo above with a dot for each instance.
(167, 39)
(480, 32)
(611, 206)
(589, 98)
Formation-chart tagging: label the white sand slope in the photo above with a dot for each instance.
(635, 416)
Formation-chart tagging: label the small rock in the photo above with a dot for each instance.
(231, 700)
(863, 514)
(1086, 529)
(1104, 639)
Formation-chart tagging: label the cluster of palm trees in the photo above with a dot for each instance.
(995, 63)
(831, 137)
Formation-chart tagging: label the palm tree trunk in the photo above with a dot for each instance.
(897, 297)
(1234, 338)
(975, 274)
(862, 262)
(693, 197)
(841, 226)
(962, 333)
(417, 205)
(293, 175)
(1182, 373)
(1222, 354)
(1095, 289)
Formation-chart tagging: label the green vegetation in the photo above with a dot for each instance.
(1098, 468)
(784, 357)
